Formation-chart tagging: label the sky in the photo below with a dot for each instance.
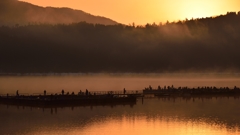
(142, 12)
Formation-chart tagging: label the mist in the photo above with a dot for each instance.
(52, 49)
(200, 45)
(36, 84)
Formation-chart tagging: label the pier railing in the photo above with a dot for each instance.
(127, 92)
(159, 91)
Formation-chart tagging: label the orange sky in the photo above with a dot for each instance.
(147, 11)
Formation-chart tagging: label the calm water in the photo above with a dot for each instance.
(179, 116)
(153, 116)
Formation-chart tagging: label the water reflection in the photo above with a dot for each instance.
(172, 116)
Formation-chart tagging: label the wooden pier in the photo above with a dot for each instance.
(110, 97)
(66, 99)
(185, 91)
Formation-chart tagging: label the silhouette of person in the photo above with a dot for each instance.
(80, 92)
(45, 92)
(17, 94)
(86, 92)
(124, 91)
(62, 92)
(150, 87)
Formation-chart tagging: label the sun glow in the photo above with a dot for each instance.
(196, 9)
(205, 8)
(143, 126)
(142, 12)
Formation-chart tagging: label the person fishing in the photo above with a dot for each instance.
(45, 92)
(17, 94)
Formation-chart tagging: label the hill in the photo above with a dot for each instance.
(13, 12)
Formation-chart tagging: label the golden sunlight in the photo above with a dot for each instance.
(144, 125)
(196, 9)
(142, 12)
(200, 9)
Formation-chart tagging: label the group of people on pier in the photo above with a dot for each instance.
(80, 93)
(159, 88)
(198, 90)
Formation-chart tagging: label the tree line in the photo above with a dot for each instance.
(199, 45)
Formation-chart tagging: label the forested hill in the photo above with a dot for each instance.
(14, 12)
(200, 45)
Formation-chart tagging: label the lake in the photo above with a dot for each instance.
(150, 115)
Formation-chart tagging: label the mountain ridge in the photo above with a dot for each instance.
(13, 12)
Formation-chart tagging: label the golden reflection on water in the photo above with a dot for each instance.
(143, 126)
(161, 115)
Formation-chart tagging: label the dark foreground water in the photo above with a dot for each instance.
(150, 116)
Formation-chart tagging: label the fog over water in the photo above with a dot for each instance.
(36, 55)
(110, 82)
(200, 115)
(197, 45)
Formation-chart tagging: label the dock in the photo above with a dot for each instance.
(111, 97)
(66, 99)
(186, 91)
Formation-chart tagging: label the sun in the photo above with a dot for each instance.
(147, 11)
(197, 9)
